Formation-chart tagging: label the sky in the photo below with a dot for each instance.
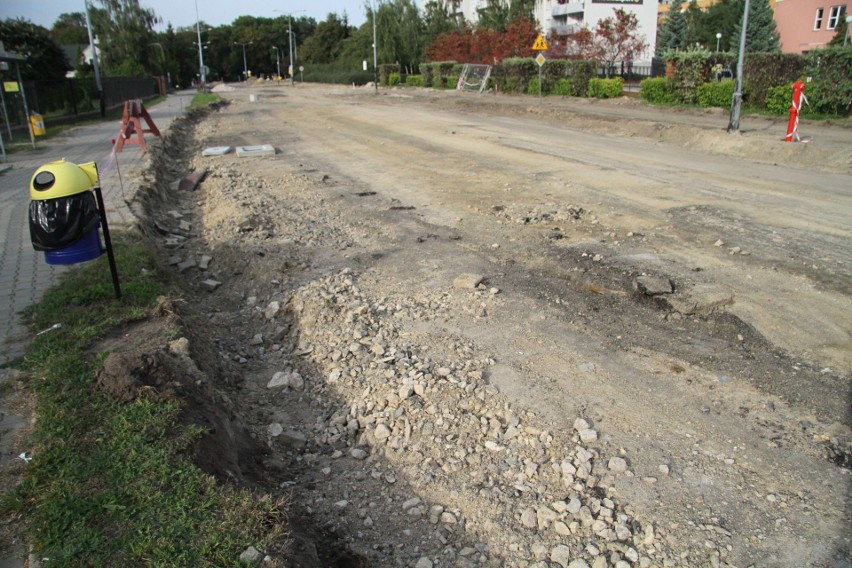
(181, 13)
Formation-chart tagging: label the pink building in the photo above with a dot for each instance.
(807, 24)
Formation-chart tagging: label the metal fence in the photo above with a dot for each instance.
(68, 100)
(633, 74)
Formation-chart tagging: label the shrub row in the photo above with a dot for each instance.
(692, 77)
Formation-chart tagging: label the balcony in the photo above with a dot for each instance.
(567, 9)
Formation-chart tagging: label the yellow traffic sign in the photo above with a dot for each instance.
(540, 44)
(539, 59)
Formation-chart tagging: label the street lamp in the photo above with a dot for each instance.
(201, 70)
(290, 40)
(737, 100)
(277, 62)
(718, 39)
(245, 66)
(375, 56)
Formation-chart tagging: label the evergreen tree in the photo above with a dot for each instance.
(761, 35)
(673, 33)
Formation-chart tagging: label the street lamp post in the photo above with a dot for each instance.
(277, 63)
(95, 62)
(201, 71)
(718, 39)
(245, 65)
(737, 100)
(290, 39)
(375, 57)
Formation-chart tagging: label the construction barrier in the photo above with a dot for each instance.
(131, 131)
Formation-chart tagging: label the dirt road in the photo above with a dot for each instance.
(506, 331)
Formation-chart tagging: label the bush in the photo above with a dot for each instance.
(393, 79)
(606, 88)
(437, 82)
(687, 70)
(716, 94)
(452, 82)
(762, 71)
(779, 99)
(563, 87)
(830, 91)
(657, 91)
(414, 81)
(532, 88)
(385, 70)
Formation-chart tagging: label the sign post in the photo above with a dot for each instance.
(539, 45)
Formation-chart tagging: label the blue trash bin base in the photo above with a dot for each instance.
(87, 248)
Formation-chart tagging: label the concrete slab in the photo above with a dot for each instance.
(255, 151)
(216, 151)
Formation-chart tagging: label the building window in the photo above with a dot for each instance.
(818, 19)
(834, 16)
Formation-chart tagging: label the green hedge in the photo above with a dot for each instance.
(657, 91)
(436, 74)
(385, 71)
(563, 87)
(414, 81)
(830, 90)
(393, 79)
(762, 71)
(716, 94)
(779, 99)
(606, 88)
(336, 73)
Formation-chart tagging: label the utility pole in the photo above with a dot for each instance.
(245, 65)
(277, 63)
(201, 72)
(737, 101)
(95, 62)
(375, 57)
(290, 39)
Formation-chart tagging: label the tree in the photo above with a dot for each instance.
(70, 29)
(761, 35)
(617, 39)
(399, 33)
(673, 32)
(125, 35)
(438, 20)
(326, 43)
(483, 45)
(45, 59)
(722, 17)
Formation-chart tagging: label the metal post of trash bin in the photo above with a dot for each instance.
(107, 240)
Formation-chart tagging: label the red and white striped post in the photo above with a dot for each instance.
(795, 109)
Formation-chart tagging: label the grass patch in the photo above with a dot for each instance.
(204, 99)
(111, 483)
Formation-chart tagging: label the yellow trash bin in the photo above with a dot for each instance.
(37, 122)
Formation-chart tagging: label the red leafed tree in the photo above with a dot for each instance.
(518, 39)
(617, 39)
(452, 46)
(482, 45)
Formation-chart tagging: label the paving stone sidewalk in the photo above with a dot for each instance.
(24, 275)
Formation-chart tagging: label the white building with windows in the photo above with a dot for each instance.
(567, 16)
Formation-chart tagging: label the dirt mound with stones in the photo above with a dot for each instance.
(396, 387)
